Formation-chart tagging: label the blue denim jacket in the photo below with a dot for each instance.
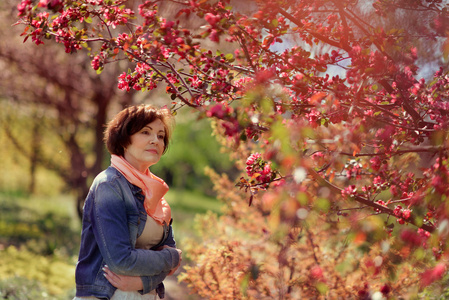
(114, 216)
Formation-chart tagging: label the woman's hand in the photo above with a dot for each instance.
(123, 282)
(180, 258)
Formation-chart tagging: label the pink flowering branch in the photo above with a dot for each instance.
(430, 149)
(362, 200)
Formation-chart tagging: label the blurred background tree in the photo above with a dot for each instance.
(54, 108)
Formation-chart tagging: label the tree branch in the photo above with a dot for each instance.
(367, 202)
(399, 152)
(321, 37)
(47, 163)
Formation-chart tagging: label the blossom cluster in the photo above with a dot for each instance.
(259, 169)
(135, 80)
(403, 214)
(349, 191)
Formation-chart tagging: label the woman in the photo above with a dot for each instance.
(127, 245)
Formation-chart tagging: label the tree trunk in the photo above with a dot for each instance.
(34, 155)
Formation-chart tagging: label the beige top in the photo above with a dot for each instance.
(151, 236)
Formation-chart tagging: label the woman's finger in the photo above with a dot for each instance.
(123, 282)
(111, 280)
(111, 277)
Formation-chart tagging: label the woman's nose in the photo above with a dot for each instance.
(153, 139)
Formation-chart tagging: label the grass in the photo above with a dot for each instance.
(185, 205)
(187, 202)
(44, 224)
(39, 240)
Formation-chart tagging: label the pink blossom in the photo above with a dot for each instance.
(211, 19)
(406, 214)
(214, 37)
(432, 275)
(375, 163)
(51, 4)
(24, 6)
(316, 272)
(394, 190)
(398, 211)
(252, 158)
(411, 237)
(423, 233)
(219, 111)
(349, 191)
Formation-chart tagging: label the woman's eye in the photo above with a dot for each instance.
(161, 137)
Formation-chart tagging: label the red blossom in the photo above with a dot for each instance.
(211, 18)
(214, 36)
(264, 76)
(433, 274)
(412, 237)
(259, 169)
(24, 6)
(406, 214)
(349, 191)
(385, 289)
(97, 62)
(398, 211)
(219, 111)
(316, 272)
(375, 163)
(56, 5)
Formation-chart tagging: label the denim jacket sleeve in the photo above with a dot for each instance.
(151, 282)
(110, 228)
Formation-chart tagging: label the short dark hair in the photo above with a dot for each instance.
(132, 119)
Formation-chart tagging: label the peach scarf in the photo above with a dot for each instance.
(152, 187)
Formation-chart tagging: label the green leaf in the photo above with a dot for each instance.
(244, 284)
(322, 204)
(229, 56)
(322, 288)
(302, 198)
(266, 105)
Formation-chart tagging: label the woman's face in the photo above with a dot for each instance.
(147, 146)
